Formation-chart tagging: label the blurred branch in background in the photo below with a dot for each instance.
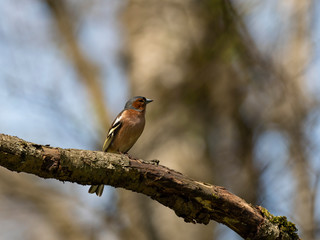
(294, 62)
(40, 215)
(48, 209)
(87, 71)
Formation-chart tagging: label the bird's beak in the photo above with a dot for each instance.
(149, 100)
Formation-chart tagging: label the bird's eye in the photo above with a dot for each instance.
(141, 100)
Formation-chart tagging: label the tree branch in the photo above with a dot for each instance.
(194, 201)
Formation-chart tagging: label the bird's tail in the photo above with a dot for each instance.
(97, 189)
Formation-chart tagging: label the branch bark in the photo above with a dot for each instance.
(194, 201)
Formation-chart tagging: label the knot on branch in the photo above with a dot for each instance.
(51, 159)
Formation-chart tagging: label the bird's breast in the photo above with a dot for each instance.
(131, 129)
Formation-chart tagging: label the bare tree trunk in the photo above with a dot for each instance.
(178, 54)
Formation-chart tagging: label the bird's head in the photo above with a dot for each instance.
(137, 103)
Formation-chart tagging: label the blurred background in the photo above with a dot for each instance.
(236, 103)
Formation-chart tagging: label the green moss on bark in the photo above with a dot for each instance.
(283, 224)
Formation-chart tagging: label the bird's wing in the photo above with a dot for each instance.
(114, 127)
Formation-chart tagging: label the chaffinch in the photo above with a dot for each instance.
(124, 131)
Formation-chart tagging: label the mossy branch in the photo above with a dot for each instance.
(194, 201)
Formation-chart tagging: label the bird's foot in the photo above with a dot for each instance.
(153, 161)
(129, 156)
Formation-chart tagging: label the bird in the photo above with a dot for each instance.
(124, 131)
